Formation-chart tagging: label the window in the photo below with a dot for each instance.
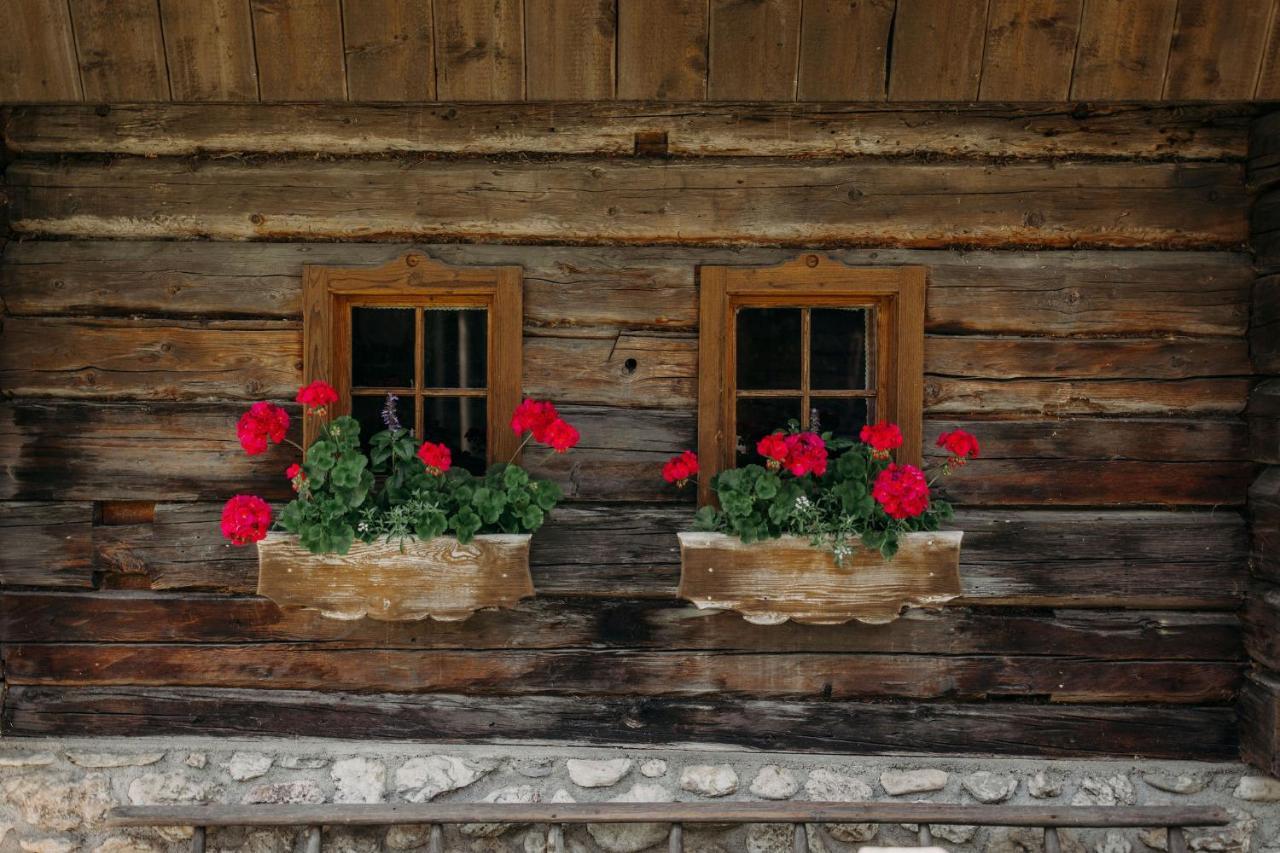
(829, 346)
(445, 340)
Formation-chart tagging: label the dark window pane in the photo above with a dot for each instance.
(757, 418)
(455, 348)
(838, 338)
(382, 347)
(368, 411)
(768, 348)
(841, 416)
(459, 424)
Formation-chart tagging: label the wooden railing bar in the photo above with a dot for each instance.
(1052, 843)
(576, 813)
(675, 839)
(1177, 841)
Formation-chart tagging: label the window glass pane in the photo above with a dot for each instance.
(368, 411)
(768, 346)
(757, 418)
(455, 348)
(459, 423)
(838, 341)
(382, 347)
(843, 417)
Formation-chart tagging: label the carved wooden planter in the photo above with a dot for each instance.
(772, 581)
(438, 578)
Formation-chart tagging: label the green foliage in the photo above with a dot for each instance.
(341, 501)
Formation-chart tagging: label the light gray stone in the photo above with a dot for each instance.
(126, 844)
(825, 785)
(196, 759)
(1045, 784)
(408, 836)
(244, 766)
(1115, 790)
(1113, 842)
(770, 838)
(302, 762)
(959, 833)
(269, 841)
(1257, 789)
(47, 845)
(348, 840)
(155, 789)
(359, 780)
(276, 793)
(653, 768)
(105, 760)
(899, 782)
(709, 780)
(26, 759)
(57, 803)
(987, 787)
(1175, 784)
(512, 794)
(633, 837)
(535, 768)
(562, 796)
(775, 783)
(1156, 839)
(420, 780)
(586, 773)
(1235, 838)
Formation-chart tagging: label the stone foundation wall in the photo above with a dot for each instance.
(56, 793)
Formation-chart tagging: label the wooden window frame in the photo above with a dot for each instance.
(809, 281)
(415, 280)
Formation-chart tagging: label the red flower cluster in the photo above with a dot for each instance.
(883, 438)
(541, 418)
(295, 475)
(902, 491)
(960, 444)
(799, 453)
(436, 457)
(317, 395)
(774, 448)
(245, 519)
(263, 421)
(680, 469)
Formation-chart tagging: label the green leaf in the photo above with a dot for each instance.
(706, 519)
(321, 456)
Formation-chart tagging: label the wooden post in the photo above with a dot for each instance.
(436, 842)
(800, 841)
(675, 839)
(925, 835)
(555, 838)
(1051, 841)
(313, 839)
(1177, 841)
(197, 839)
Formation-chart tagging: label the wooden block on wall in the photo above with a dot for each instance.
(1264, 423)
(1264, 326)
(1264, 512)
(1259, 712)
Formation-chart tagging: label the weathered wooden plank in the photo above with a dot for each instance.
(631, 673)
(1058, 293)
(717, 202)
(1264, 328)
(753, 47)
(1264, 422)
(298, 45)
(591, 623)
(1262, 625)
(1123, 49)
(1259, 711)
(844, 50)
(937, 50)
(46, 544)
(209, 47)
(844, 727)
(1216, 49)
(1264, 515)
(662, 50)
(479, 50)
(1268, 86)
(1030, 50)
(1264, 148)
(754, 130)
(390, 51)
(570, 49)
(38, 53)
(121, 50)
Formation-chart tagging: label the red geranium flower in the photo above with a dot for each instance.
(263, 421)
(317, 395)
(774, 448)
(294, 474)
(245, 519)
(560, 435)
(902, 490)
(436, 457)
(883, 438)
(679, 469)
(534, 416)
(806, 454)
(960, 444)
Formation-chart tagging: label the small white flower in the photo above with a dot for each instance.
(803, 503)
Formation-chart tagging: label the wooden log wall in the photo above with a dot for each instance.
(1260, 700)
(1088, 315)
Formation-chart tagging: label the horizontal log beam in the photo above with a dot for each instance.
(1260, 721)
(1156, 133)
(715, 202)
(46, 544)
(859, 728)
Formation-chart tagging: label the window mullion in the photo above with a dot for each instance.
(805, 332)
(419, 372)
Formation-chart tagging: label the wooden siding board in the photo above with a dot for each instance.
(390, 50)
(479, 50)
(1216, 49)
(1186, 733)
(844, 49)
(298, 45)
(1260, 722)
(719, 202)
(570, 49)
(1123, 49)
(937, 50)
(209, 50)
(754, 50)
(46, 544)
(38, 53)
(121, 50)
(662, 50)
(1030, 50)
(746, 130)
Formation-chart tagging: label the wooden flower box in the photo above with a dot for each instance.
(438, 578)
(772, 581)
